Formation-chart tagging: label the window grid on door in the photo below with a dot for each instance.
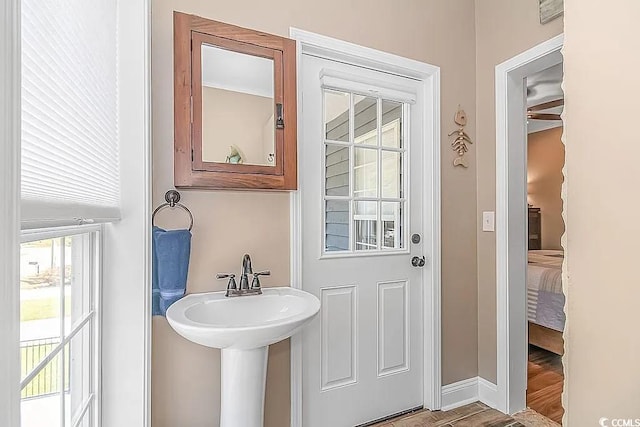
(364, 168)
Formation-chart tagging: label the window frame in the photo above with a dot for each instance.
(92, 319)
(10, 156)
(351, 144)
(126, 309)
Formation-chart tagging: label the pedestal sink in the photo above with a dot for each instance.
(243, 328)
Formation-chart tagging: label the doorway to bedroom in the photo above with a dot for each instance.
(545, 298)
(529, 98)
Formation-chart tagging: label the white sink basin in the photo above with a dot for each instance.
(243, 327)
(245, 322)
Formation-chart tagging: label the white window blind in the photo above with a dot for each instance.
(346, 82)
(69, 112)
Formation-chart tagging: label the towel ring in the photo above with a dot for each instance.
(172, 198)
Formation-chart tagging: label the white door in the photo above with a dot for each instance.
(361, 180)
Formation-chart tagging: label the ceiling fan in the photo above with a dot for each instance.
(532, 112)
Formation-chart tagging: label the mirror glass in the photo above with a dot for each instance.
(237, 108)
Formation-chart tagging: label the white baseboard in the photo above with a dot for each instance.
(459, 394)
(488, 393)
(468, 391)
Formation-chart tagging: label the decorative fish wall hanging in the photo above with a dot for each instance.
(459, 144)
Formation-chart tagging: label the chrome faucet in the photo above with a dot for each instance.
(244, 289)
(246, 270)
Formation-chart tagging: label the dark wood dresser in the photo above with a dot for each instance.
(535, 229)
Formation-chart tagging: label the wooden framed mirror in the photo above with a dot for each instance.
(234, 107)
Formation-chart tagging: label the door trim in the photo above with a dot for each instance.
(511, 166)
(429, 76)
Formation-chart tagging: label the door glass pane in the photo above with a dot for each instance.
(364, 164)
(365, 225)
(391, 174)
(391, 124)
(392, 225)
(337, 170)
(366, 120)
(336, 115)
(366, 172)
(336, 225)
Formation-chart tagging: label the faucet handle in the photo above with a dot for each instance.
(255, 284)
(263, 273)
(232, 280)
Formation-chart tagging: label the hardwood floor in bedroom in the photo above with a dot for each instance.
(545, 382)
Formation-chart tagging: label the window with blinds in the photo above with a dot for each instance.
(70, 171)
(70, 176)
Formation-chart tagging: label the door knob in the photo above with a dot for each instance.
(418, 261)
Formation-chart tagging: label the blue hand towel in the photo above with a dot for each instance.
(171, 251)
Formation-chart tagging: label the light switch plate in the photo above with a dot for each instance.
(488, 221)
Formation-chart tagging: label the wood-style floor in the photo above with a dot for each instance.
(473, 415)
(545, 382)
(544, 392)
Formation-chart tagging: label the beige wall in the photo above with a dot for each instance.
(601, 276)
(545, 160)
(467, 44)
(504, 28)
(185, 377)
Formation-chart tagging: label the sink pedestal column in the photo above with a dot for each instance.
(243, 377)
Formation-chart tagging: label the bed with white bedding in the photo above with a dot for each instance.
(545, 299)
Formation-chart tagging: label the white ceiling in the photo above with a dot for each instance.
(543, 87)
